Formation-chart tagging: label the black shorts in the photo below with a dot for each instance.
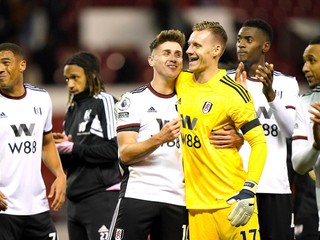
(91, 217)
(136, 219)
(31, 227)
(275, 214)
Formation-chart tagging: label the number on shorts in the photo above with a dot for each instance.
(185, 232)
(53, 235)
(252, 232)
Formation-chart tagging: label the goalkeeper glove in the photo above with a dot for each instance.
(244, 200)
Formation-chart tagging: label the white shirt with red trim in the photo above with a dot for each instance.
(159, 176)
(23, 122)
(277, 119)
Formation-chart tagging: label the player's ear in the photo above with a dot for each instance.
(266, 47)
(150, 61)
(23, 65)
(216, 51)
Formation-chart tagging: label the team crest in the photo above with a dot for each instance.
(119, 234)
(124, 104)
(207, 107)
(278, 93)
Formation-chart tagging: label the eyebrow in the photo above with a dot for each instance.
(5, 58)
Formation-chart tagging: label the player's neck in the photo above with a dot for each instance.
(15, 91)
(204, 76)
(251, 69)
(165, 87)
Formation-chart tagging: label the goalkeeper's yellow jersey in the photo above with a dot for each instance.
(213, 175)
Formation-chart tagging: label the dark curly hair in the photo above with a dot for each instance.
(262, 25)
(91, 66)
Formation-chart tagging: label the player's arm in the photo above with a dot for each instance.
(304, 159)
(244, 200)
(305, 155)
(52, 161)
(227, 137)
(258, 155)
(284, 116)
(131, 151)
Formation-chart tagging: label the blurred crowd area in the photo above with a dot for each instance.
(119, 31)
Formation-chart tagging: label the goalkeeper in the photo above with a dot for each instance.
(220, 194)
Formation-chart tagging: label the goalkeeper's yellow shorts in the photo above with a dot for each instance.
(212, 224)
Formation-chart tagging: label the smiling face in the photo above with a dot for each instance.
(11, 70)
(201, 50)
(311, 67)
(166, 60)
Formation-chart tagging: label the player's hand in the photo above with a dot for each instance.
(244, 204)
(58, 190)
(241, 75)
(3, 202)
(227, 137)
(59, 137)
(265, 75)
(169, 131)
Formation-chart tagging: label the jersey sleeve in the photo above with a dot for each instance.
(48, 123)
(127, 113)
(241, 108)
(244, 117)
(304, 155)
(107, 114)
(258, 155)
(285, 104)
(300, 130)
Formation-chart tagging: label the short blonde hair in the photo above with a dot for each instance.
(215, 28)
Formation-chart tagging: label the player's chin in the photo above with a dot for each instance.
(194, 65)
(242, 59)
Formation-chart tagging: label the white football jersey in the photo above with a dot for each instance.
(23, 122)
(303, 134)
(158, 177)
(274, 178)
